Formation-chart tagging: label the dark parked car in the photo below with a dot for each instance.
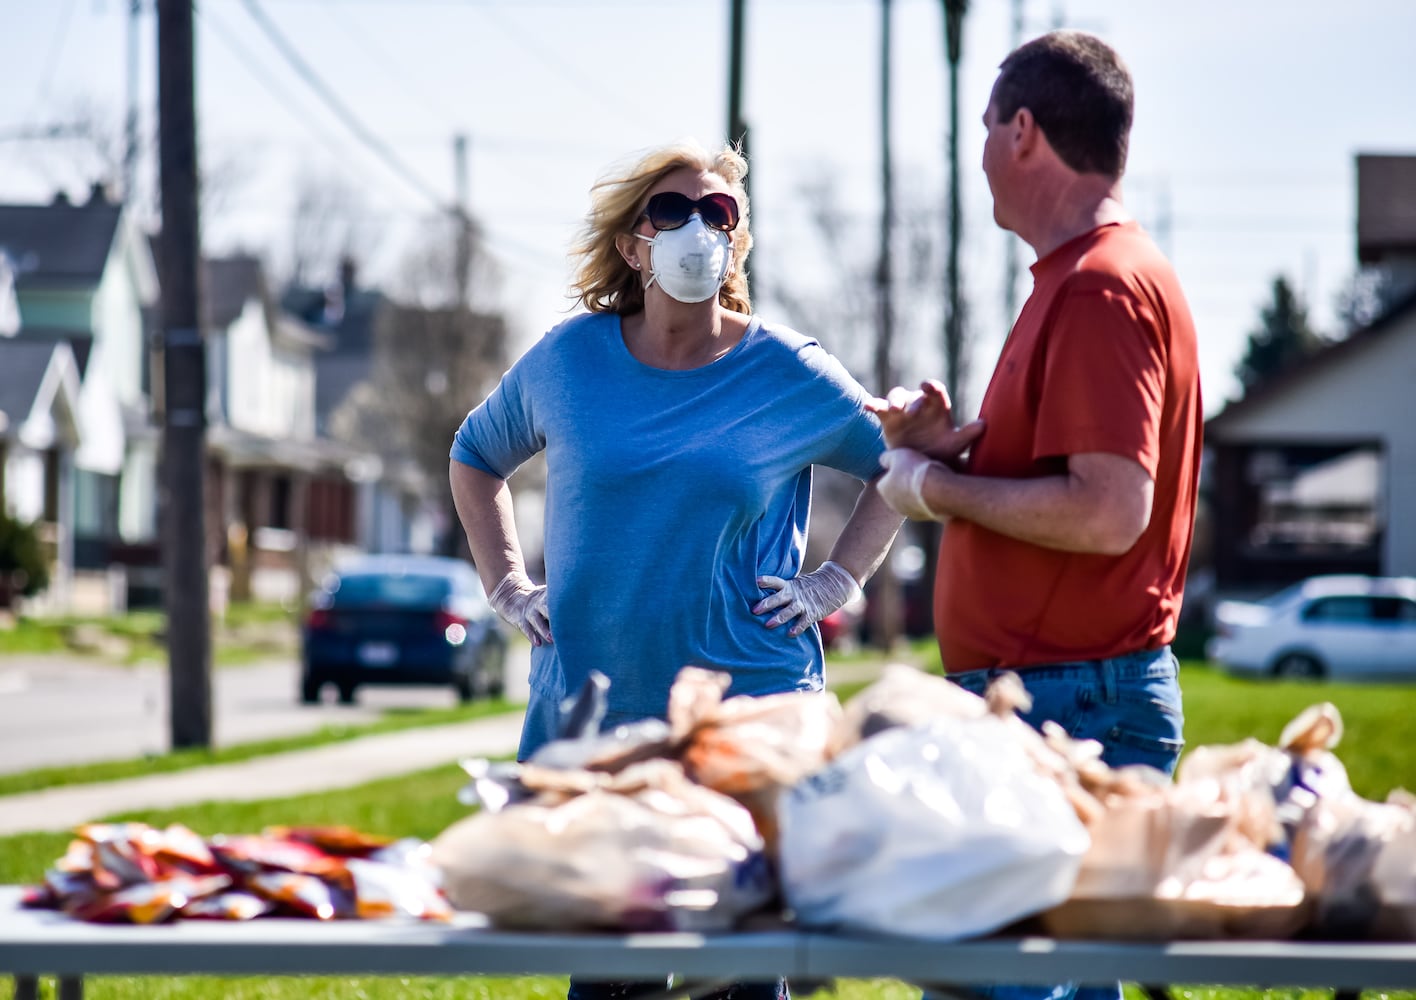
(403, 620)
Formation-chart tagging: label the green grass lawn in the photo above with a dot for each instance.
(392, 720)
(1218, 709)
(247, 632)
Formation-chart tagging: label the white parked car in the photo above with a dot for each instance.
(1326, 626)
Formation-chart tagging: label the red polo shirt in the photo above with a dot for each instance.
(1102, 359)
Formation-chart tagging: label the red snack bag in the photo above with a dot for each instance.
(149, 903)
(249, 855)
(303, 895)
(234, 905)
(339, 840)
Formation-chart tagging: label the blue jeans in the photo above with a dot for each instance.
(581, 989)
(1129, 704)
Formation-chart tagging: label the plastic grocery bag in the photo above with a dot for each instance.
(751, 747)
(941, 832)
(644, 849)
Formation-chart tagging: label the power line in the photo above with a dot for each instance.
(582, 83)
(252, 65)
(323, 91)
(51, 62)
(395, 73)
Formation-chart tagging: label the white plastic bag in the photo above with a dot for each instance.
(940, 832)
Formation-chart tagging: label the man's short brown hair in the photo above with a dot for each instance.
(1080, 94)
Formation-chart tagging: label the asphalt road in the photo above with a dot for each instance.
(59, 710)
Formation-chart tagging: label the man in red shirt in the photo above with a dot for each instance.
(1068, 527)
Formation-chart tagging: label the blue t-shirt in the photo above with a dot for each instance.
(667, 494)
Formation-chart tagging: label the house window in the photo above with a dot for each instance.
(280, 498)
(95, 504)
(51, 486)
(1316, 502)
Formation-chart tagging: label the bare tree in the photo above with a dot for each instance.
(447, 266)
(842, 311)
(330, 223)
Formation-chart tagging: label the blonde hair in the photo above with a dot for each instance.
(604, 281)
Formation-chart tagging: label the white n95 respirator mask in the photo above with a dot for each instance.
(690, 263)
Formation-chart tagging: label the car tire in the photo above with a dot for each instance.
(494, 670)
(1298, 666)
(465, 688)
(310, 691)
(347, 693)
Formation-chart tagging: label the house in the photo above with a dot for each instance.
(282, 499)
(39, 434)
(1314, 470)
(392, 512)
(84, 277)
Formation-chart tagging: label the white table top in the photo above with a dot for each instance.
(38, 942)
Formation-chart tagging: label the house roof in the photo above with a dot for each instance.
(350, 314)
(81, 341)
(23, 365)
(59, 245)
(1359, 340)
(231, 282)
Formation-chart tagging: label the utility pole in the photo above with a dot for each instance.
(130, 136)
(737, 128)
(462, 219)
(1010, 240)
(884, 270)
(888, 618)
(184, 385)
(954, 11)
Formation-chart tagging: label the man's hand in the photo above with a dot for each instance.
(902, 485)
(923, 421)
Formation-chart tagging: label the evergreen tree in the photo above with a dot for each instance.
(1283, 337)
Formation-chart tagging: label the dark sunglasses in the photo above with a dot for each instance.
(669, 210)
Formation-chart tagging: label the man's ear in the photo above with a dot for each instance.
(1023, 131)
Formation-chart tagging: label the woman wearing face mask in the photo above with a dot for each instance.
(680, 431)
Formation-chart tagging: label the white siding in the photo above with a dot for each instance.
(1365, 393)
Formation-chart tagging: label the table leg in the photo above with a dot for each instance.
(26, 988)
(71, 988)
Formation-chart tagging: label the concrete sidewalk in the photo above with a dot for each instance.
(335, 765)
(300, 772)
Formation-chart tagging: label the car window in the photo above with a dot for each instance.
(1347, 608)
(1394, 609)
(403, 590)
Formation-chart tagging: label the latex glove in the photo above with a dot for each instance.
(523, 604)
(808, 598)
(902, 486)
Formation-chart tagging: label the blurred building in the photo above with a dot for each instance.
(84, 277)
(1314, 471)
(81, 416)
(282, 504)
(356, 320)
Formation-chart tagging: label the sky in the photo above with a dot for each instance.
(1249, 115)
